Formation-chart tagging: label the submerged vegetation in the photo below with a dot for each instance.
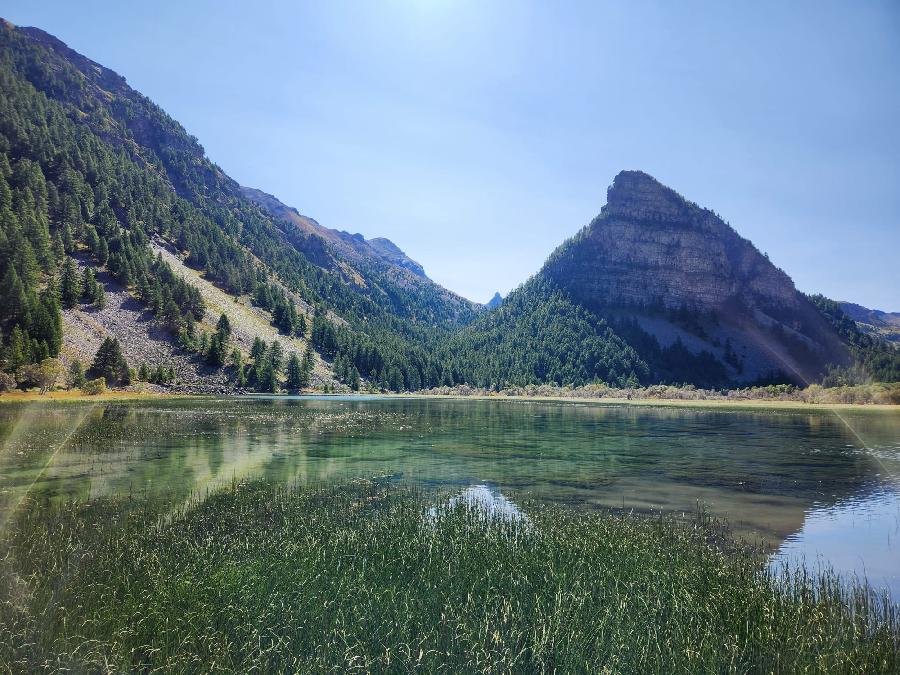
(371, 577)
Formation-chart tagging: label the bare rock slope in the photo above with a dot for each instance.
(652, 254)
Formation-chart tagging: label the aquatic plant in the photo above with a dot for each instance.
(366, 576)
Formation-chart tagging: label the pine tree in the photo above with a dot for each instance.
(171, 316)
(17, 351)
(70, 284)
(215, 354)
(223, 327)
(109, 362)
(13, 300)
(306, 366)
(89, 286)
(294, 373)
(258, 349)
(276, 355)
(103, 252)
(237, 361)
(203, 343)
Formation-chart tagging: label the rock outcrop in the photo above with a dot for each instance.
(651, 247)
(652, 254)
(392, 253)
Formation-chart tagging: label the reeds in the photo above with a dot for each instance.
(369, 577)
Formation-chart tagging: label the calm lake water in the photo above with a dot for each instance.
(819, 485)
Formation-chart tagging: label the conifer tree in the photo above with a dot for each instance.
(258, 349)
(109, 362)
(223, 327)
(294, 373)
(89, 286)
(306, 366)
(70, 284)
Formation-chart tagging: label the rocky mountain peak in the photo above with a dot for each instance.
(638, 196)
(495, 301)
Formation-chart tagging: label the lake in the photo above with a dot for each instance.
(821, 485)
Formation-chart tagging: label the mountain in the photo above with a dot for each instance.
(96, 174)
(390, 252)
(692, 300)
(115, 224)
(494, 302)
(355, 246)
(883, 324)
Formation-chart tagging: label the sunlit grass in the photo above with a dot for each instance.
(360, 577)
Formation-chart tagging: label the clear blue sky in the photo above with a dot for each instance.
(479, 134)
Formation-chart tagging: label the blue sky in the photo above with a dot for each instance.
(479, 134)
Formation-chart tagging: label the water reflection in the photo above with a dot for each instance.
(858, 536)
(776, 474)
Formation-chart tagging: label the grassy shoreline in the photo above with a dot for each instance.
(77, 396)
(367, 577)
(662, 402)
(63, 396)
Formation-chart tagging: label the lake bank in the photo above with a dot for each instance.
(77, 396)
(758, 404)
(61, 396)
(365, 576)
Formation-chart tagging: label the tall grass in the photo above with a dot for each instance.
(366, 577)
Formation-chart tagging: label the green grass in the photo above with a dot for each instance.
(358, 577)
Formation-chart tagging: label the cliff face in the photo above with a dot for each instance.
(649, 246)
(651, 254)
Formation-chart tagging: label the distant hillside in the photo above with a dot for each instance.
(377, 251)
(883, 324)
(874, 358)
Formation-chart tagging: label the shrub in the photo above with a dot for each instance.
(94, 387)
(7, 382)
(76, 374)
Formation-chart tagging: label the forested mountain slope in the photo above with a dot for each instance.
(654, 289)
(90, 166)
